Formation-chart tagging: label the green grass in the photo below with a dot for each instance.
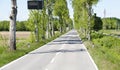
(106, 52)
(115, 32)
(7, 56)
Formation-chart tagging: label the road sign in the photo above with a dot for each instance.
(35, 4)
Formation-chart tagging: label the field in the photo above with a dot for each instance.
(19, 35)
(7, 56)
(111, 32)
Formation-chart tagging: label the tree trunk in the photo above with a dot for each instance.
(47, 31)
(89, 19)
(36, 31)
(52, 29)
(12, 41)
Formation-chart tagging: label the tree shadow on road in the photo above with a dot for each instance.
(58, 42)
(62, 51)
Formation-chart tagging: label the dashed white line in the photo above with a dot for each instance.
(46, 69)
(52, 60)
(58, 53)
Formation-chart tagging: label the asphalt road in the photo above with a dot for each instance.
(64, 53)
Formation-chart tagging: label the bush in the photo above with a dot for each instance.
(20, 26)
(95, 35)
(4, 25)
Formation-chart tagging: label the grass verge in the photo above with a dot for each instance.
(7, 56)
(105, 51)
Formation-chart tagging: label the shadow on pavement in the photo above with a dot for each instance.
(57, 42)
(62, 51)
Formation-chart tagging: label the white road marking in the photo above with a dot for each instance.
(58, 53)
(13, 62)
(46, 69)
(91, 58)
(52, 60)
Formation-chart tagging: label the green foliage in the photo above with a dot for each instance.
(83, 15)
(106, 51)
(61, 10)
(3, 42)
(20, 26)
(95, 35)
(4, 25)
(97, 22)
(37, 18)
(111, 23)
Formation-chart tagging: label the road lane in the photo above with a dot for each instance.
(64, 53)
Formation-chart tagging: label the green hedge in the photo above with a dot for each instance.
(20, 26)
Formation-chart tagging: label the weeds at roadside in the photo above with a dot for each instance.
(23, 47)
(106, 51)
(3, 42)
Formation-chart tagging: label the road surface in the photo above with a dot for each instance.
(64, 53)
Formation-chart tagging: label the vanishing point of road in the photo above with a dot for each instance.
(64, 53)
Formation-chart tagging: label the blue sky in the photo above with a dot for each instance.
(5, 8)
(111, 7)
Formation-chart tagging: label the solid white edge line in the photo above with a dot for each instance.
(12, 62)
(89, 55)
(90, 58)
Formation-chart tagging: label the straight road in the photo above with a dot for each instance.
(64, 53)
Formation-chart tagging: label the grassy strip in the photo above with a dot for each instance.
(7, 56)
(112, 32)
(105, 51)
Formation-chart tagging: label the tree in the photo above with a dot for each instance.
(34, 22)
(111, 23)
(13, 25)
(97, 23)
(82, 16)
(61, 10)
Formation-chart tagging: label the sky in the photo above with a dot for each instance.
(111, 7)
(5, 9)
(69, 4)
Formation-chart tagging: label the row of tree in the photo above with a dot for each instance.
(54, 16)
(20, 26)
(86, 20)
(111, 23)
(83, 18)
(41, 23)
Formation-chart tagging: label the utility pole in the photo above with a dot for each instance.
(12, 40)
(104, 13)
